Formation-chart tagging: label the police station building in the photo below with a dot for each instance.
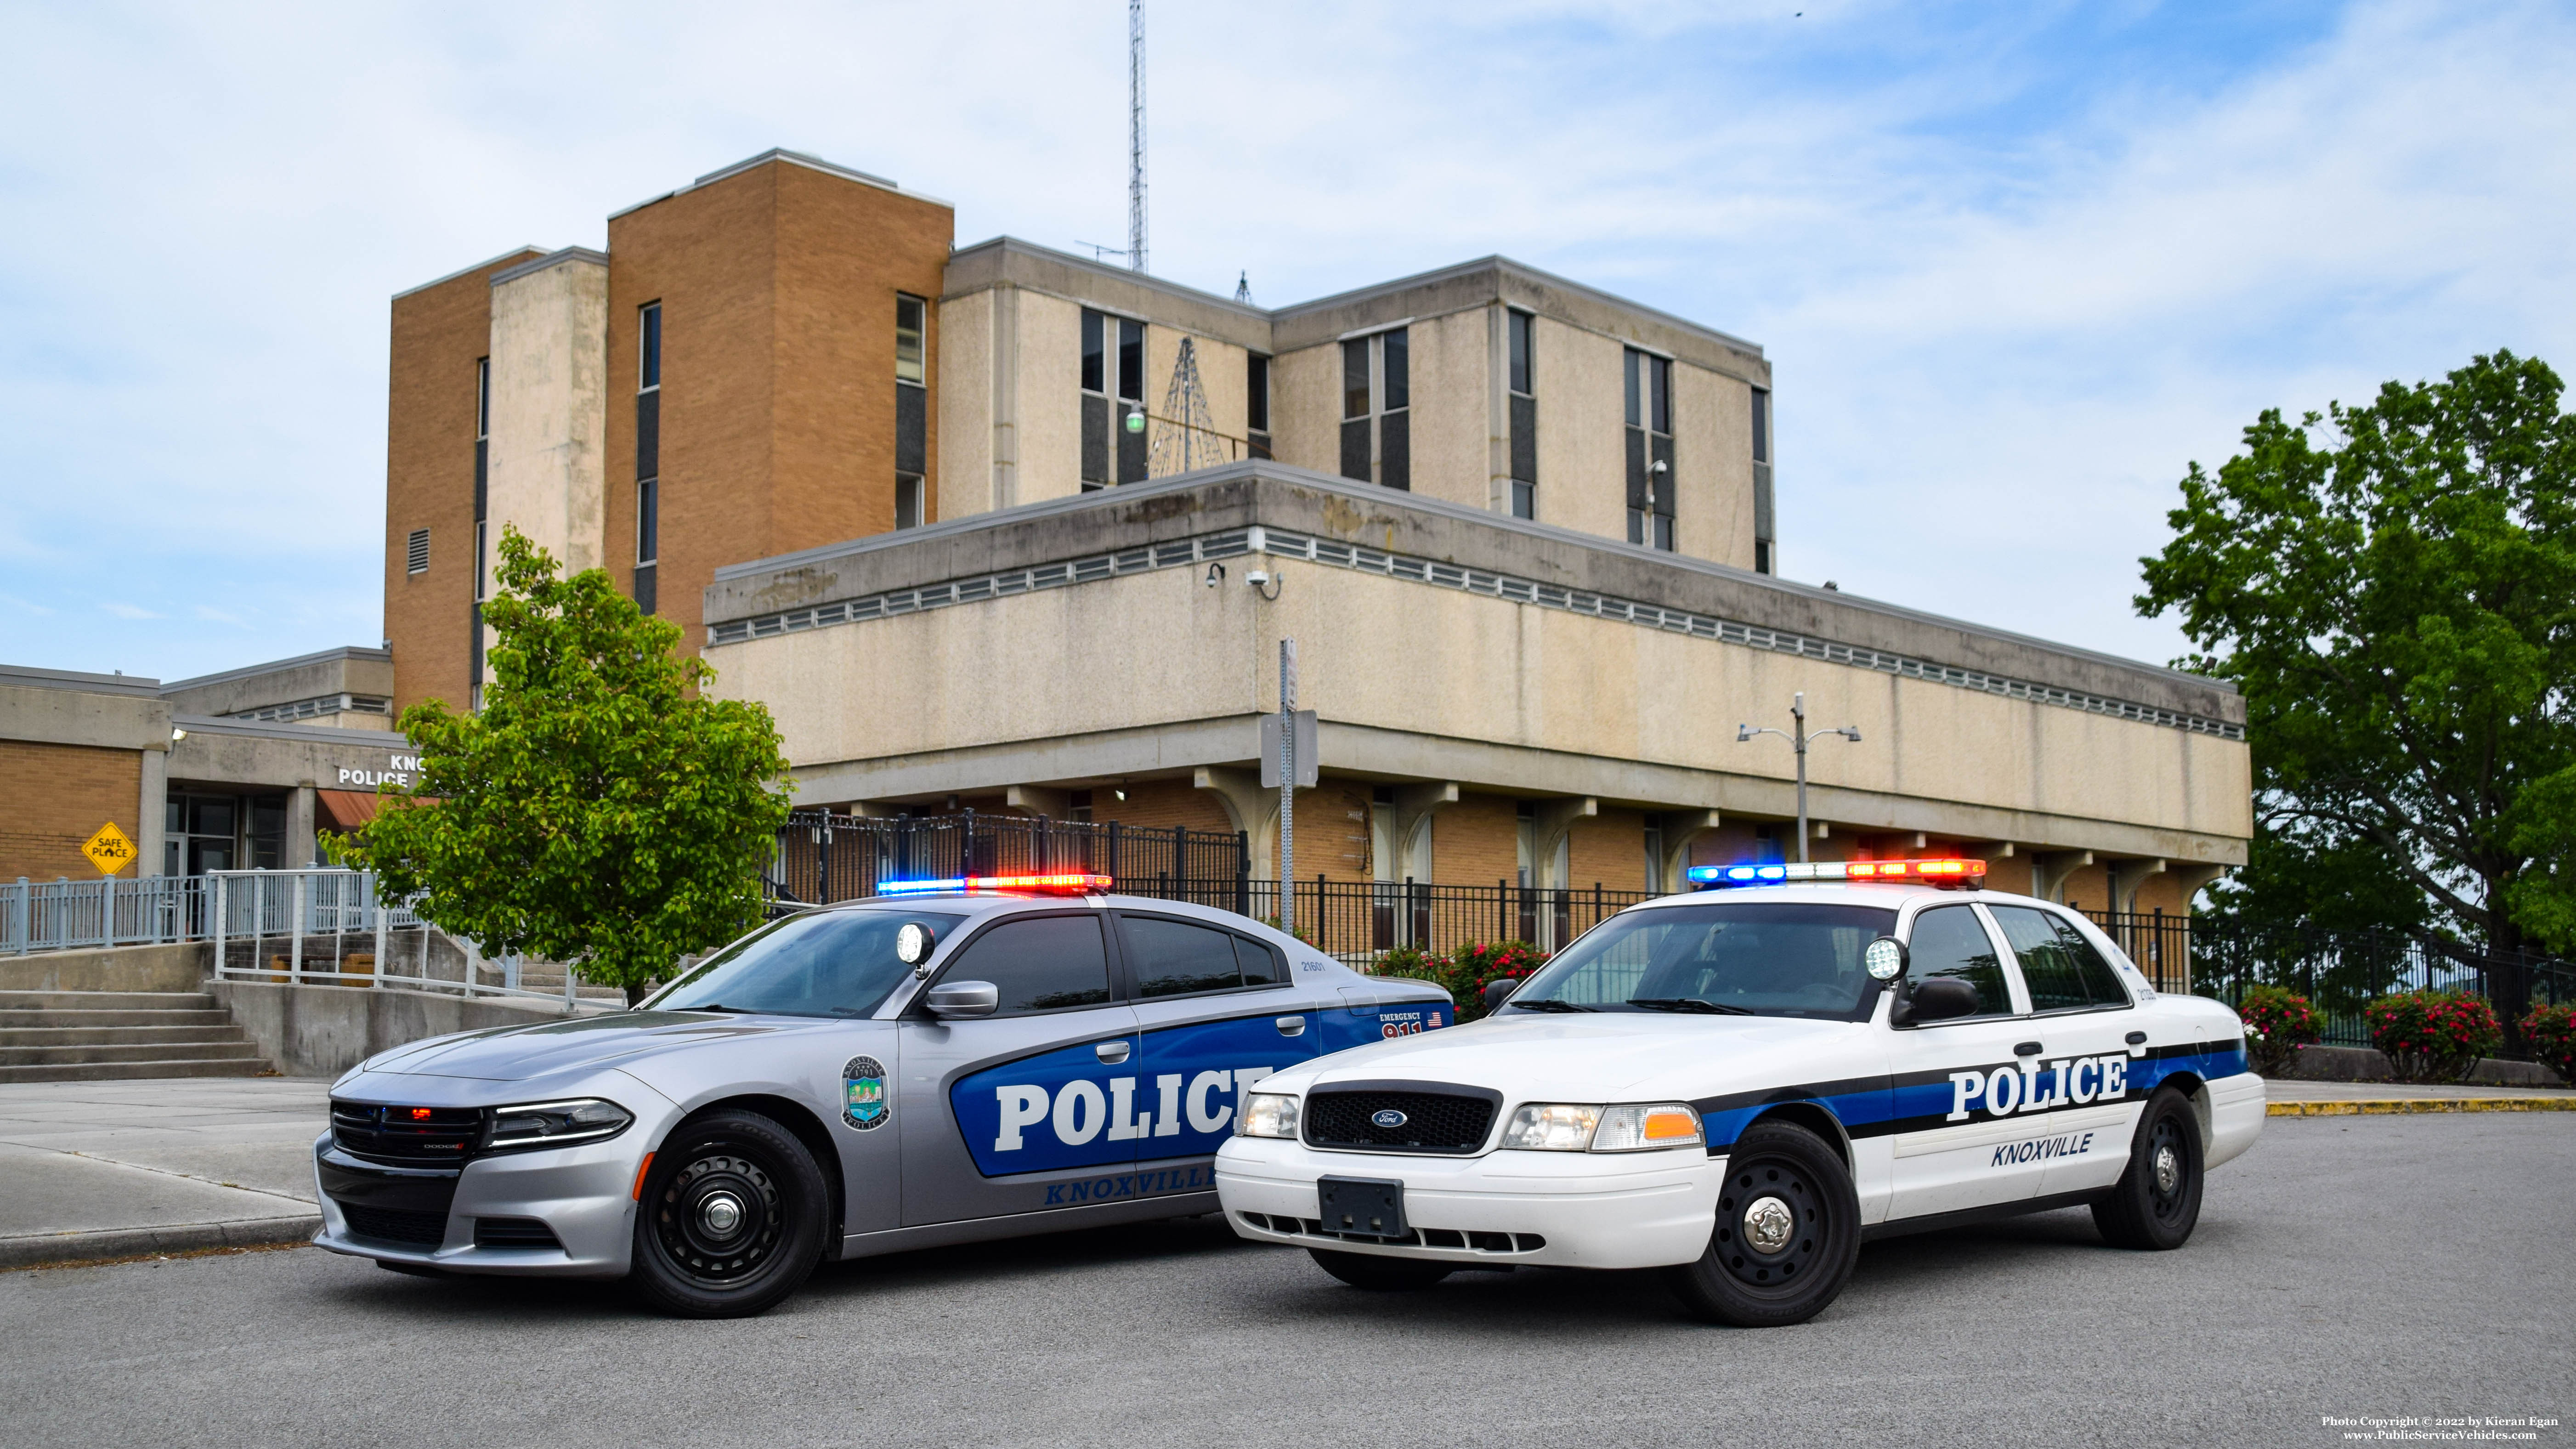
(1002, 528)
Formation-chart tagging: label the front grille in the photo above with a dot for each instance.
(513, 1233)
(409, 1136)
(1482, 1242)
(395, 1225)
(1453, 1120)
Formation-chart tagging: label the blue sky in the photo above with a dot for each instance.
(2015, 267)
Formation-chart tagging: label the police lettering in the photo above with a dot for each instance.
(2037, 1086)
(1079, 1112)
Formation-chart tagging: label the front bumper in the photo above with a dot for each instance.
(582, 1194)
(1553, 1209)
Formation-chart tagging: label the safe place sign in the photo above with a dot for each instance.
(109, 850)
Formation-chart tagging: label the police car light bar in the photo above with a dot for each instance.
(1930, 872)
(1070, 883)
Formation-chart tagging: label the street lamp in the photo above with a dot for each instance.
(1798, 737)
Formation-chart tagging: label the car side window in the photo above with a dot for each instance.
(2101, 983)
(2050, 966)
(1042, 963)
(1259, 964)
(1950, 943)
(1176, 958)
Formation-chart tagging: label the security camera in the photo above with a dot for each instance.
(1215, 574)
(1256, 578)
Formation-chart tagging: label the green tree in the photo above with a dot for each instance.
(2393, 586)
(597, 811)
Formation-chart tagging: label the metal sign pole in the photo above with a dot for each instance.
(1798, 737)
(1288, 786)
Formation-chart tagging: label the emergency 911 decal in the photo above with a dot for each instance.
(1395, 1021)
(863, 1094)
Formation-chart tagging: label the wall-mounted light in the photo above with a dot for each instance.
(1135, 420)
(1215, 574)
(177, 735)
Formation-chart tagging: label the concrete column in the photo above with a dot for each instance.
(151, 809)
(1680, 828)
(1414, 807)
(1498, 408)
(1053, 804)
(1006, 396)
(2126, 877)
(1248, 808)
(298, 850)
(1548, 830)
(2055, 868)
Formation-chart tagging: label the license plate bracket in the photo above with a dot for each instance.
(1362, 1207)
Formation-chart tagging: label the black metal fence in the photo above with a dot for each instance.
(1354, 920)
(2339, 971)
(823, 857)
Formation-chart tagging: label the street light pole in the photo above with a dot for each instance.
(1798, 738)
(1288, 786)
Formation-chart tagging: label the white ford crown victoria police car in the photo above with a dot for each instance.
(954, 1061)
(1739, 1085)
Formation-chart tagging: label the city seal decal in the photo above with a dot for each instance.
(863, 1094)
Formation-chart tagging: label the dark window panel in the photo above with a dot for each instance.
(1637, 525)
(475, 673)
(1399, 379)
(1131, 360)
(1395, 450)
(648, 521)
(1258, 445)
(1628, 370)
(1355, 385)
(1131, 449)
(648, 435)
(482, 477)
(1761, 556)
(1045, 964)
(483, 398)
(1761, 426)
(1661, 373)
(1175, 958)
(1524, 415)
(1663, 533)
(1637, 487)
(1524, 500)
(1095, 358)
(1256, 393)
(1660, 445)
(1520, 346)
(911, 428)
(1095, 440)
(1260, 965)
(645, 597)
(1763, 528)
(1355, 449)
(649, 370)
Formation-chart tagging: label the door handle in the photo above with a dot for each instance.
(1112, 1052)
(2027, 1049)
(2137, 1038)
(1291, 1025)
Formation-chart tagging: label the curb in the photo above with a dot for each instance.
(2377, 1106)
(36, 1251)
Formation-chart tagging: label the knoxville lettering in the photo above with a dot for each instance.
(1137, 1184)
(2039, 1149)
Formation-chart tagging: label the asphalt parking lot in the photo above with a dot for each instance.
(2370, 1266)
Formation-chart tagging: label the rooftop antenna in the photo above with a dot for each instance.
(1136, 134)
(1243, 287)
(1185, 436)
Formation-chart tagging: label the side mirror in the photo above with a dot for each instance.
(965, 998)
(913, 943)
(1939, 999)
(1496, 990)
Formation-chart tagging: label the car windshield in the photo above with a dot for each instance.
(1757, 958)
(825, 963)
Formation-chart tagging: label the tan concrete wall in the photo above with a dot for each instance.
(1712, 466)
(1306, 408)
(1050, 398)
(969, 406)
(1451, 412)
(58, 795)
(1582, 467)
(549, 412)
(179, 966)
(438, 332)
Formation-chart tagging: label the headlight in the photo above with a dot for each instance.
(1643, 1129)
(1580, 1127)
(1551, 1127)
(1267, 1114)
(557, 1124)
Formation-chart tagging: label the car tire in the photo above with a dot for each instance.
(2156, 1203)
(1380, 1275)
(731, 1218)
(1786, 1236)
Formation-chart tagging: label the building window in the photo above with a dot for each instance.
(1650, 448)
(482, 450)
(908, 361)
(1377, 395)
(1113, 400)
(1256, 404)
(911, 407)
(1764, 521)
(907, 501)
(648, 457)
(482, 560)
(1523, 404)
(1655, 859)
(416, 552)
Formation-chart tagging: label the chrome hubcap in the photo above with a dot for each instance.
(2168, 1169)
(721, 1215)
(1768, 1224)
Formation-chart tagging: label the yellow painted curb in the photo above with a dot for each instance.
(2421, 1104)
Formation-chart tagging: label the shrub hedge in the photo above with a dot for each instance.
(2277, 1024)
(2433, 1036)
(1463, 975)
(2551, 1033)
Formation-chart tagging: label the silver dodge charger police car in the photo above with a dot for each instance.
(958, 1060)
(1738, 1086)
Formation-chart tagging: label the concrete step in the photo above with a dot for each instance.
(107, 1001)
(55, 1056)
(53, 1035)
(131, 1071)
(13, 1019)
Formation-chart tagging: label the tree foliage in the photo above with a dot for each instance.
(2393, 586)
(597, 811)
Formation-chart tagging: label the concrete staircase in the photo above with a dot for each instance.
(90, 1036)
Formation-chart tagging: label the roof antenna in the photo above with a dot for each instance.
(1243, 288)
(1136, 134)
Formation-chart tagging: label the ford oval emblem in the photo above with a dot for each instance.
(1390, 1119)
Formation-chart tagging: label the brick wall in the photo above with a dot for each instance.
(59, 796)
(1476, 841)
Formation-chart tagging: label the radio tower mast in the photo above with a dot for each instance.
(1136, 134)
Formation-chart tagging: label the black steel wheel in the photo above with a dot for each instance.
(731, 1219)
(2156, 1203)
(1381, 1275)
(1786, 1236)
